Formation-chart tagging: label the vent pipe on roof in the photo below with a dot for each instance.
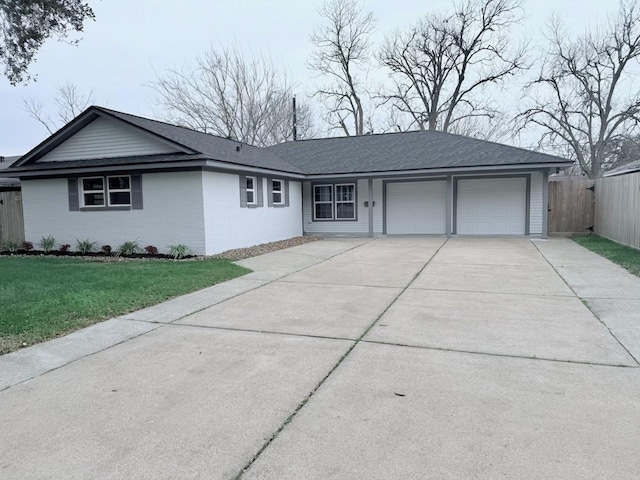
(295, 122)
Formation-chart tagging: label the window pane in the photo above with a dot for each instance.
(94, 199)
(345, 210)
(250, 183)
(277, 186)
(344, 193)
(323, 193)
(324, 210)
(277, 197)
(92, 184)
(250, 197)
(120, 198)
(118, 183)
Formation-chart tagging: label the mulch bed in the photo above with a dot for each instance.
(242, 253)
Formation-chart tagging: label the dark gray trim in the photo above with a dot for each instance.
(545, 204)
(286, 193)
(333, 198)
(104, 209)
(270, 191)
(370, 186)
(74, 199)
(405, 180)
(526, 176)
(136, 192)
(260, 191)
(449, 204)
(243, 191)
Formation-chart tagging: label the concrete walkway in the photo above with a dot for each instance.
(406, 358)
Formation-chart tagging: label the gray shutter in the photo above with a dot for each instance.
(243, 191)
(286, 193)
(74, 201)
(259, 192)
(270, 192)
(136, 192)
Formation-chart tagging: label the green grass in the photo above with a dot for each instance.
(624, 256)
(41, 297)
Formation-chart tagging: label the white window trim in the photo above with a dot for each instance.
(106, 191)
(253, 190)
(330, 202)
(83, 192)
(345, 201)
(117, 190)
(279, 190)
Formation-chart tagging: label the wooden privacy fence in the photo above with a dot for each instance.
(11, 219)
(617, 212)
(570, 205)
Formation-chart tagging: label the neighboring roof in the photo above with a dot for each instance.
(5, 182)
(391, 152)
(415, 150)
(627, 168)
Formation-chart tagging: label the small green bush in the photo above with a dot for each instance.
(85, 246)
(129, 248)
(11, 246)
(47, 243)
(179, 251)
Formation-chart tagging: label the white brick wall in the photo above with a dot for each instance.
(172, 214)
(229, 226)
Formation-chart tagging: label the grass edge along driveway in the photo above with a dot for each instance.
(622, 255)
(42, 298)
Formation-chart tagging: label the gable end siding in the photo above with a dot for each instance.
(106, 138)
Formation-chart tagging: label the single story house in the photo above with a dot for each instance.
(111, 177)
(8, 184)
(631, 167)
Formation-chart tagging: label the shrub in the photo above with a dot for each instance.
(28, 246)
(64, 248)
(47, 243)
(179, 251)
(11, 245)
(106, 249)
(151, 250)
(85, 246)
(129, 248)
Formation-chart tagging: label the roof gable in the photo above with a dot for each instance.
(107, 138)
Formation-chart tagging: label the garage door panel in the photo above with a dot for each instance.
(491, 206)
(416, 207)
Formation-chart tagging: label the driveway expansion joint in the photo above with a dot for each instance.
(308, 397)
(586, 304)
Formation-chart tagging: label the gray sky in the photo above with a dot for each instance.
(129, 40)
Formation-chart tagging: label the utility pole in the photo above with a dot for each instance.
(295, 122)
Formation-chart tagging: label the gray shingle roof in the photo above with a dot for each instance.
(6, 182)
(403, 151)
(631, 167)
(212, 146)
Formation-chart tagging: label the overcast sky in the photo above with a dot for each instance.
(130, 40)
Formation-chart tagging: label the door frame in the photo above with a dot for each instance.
(527, 196)
(406, 180)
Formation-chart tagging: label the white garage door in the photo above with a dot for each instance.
(417, 207)
(492, 206)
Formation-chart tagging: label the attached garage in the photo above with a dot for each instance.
(416, 207)
(491, 206)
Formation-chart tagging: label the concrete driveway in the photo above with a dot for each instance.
(408, 358)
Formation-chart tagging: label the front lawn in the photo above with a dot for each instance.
(41, 298)
(624, 256)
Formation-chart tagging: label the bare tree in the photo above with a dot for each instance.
(584, 98)
(69, 102)
(341, 55)
(234, 96)
(442, 66)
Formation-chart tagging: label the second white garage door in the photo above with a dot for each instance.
(491, 206)
(417, 208)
